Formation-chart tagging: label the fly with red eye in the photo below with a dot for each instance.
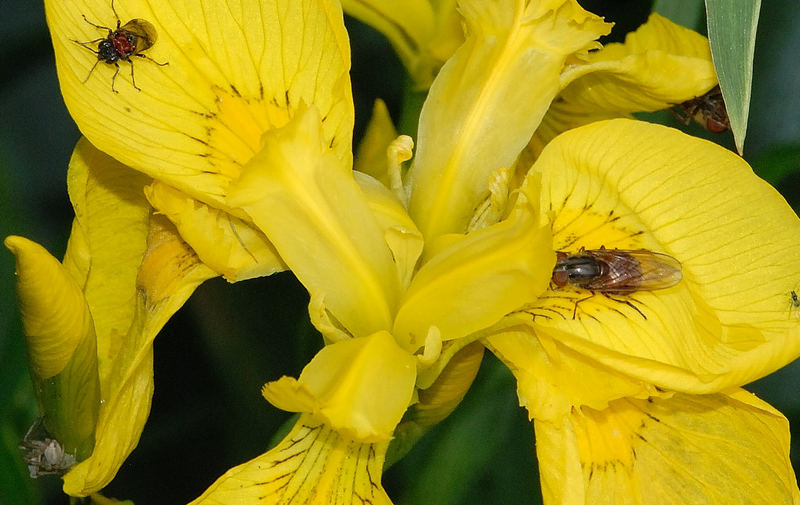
(126, 40)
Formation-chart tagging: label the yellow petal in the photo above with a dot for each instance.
(61, 346)
(314, 464)
(226, 244)
(436, 402)
(477, 116)
(478, 280)
(98, 499)
(660, 64)
(687, 450)
(54, 312)
(629, 185)
(400, 232)
(409, 26)
(552, 379)
(108, 240)
(231, 73)
(138, 273)
(314, 213)
(371, 156)
(360, 387)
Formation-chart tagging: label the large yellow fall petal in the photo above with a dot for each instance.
(233, 72)
(684, 450)
(478, 116)
(360, 387)
(321, 224)
(313, 465)
(629, 185)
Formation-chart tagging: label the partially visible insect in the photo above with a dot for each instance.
(795, 304)
(121, 43)
(616, 271)
(707, 110)
(44, 456)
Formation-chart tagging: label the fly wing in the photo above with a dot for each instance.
(629, 270)
(658, 271)
(144, 31)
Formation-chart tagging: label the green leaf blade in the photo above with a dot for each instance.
(732, 34)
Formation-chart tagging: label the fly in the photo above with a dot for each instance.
(616, 271)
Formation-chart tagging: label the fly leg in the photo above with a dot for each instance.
(626, 302)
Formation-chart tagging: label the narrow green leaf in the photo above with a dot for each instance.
(732, 34)
(688, 13)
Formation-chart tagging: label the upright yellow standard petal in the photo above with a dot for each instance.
(360, 387)
(320, 222)
(313, 465)
(216, 77)
(480, 111)
(630, 185)
(684, 450)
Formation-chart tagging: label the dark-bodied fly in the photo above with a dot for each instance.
(616, 271)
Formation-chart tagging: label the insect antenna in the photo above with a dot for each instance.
(85, 44)
(115, 12)
(110, 31)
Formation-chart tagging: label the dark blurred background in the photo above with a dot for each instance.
(213, 356)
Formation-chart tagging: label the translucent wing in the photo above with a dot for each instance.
(630, 270)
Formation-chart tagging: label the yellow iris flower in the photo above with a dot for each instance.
(241, 145)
